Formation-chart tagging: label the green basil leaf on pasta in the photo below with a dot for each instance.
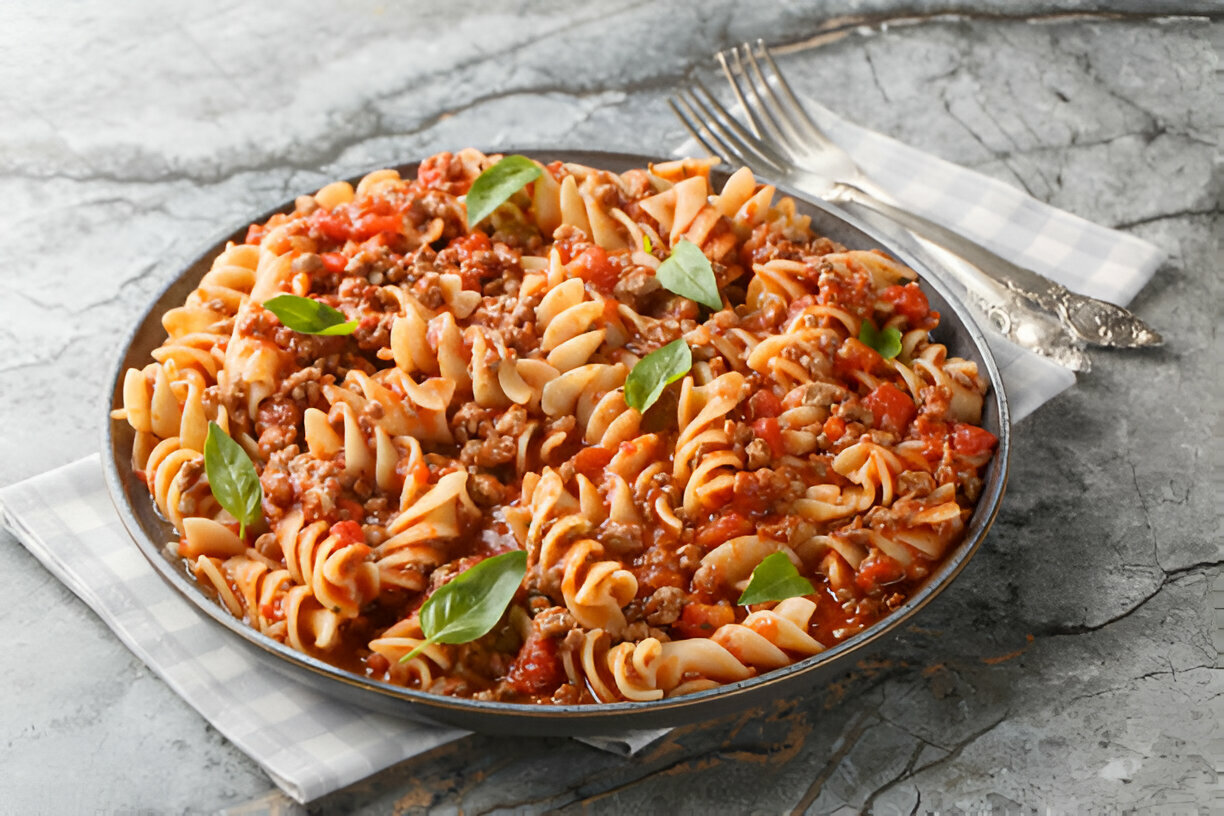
(495, 185)
(775, 579)
(309, 316)
(656, 371)
(469, 605)
(232, 478)
(887, 342)
(687, 272)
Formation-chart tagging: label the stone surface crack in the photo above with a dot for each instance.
(875, 77)
(1189, 213)
(905, 772)
(848, 740)
(959, 747)
(1128, 685)
(954, 13)
(1059, 630)
(1147, 517)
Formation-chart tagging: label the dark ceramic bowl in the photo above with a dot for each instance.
(957, 331)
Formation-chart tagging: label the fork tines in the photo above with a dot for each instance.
(777, 112)
(718, 131)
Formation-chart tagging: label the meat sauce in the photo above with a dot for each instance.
(360, 248)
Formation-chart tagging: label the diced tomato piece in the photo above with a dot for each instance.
(591, 461)
(565, 248)
(878, 570)
(764, 403)
(909, 301)
(594, 267)
(349, 532)
(724, 527)
(332, 225)
(767, 428)
(933, 433)
(380, 239)
(334, 261)
(834, 427)
(370, 225)
(470, 245)
(701, 620)
(854, 355)
(972, 440)
(255, 233)
(537, 669)
(891, 407)
(431, 174)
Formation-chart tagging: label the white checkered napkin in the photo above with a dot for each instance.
(1083, 256)
(307, 742)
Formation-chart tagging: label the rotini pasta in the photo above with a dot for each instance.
(480, 406)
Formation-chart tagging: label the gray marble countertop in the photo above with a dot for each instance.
(1075, 666)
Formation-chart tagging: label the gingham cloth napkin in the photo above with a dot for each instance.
(308, 743)
(311, 745)
(1083, 256)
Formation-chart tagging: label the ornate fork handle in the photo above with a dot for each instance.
(1093, 321)
(786, 140)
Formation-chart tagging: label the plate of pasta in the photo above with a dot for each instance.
(557, 443)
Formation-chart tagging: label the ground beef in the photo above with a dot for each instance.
(915, 484)
(316, 484)
(664, 606)
(567, 694)
(622, 539)
(759, 491)
(852, 410)
(690, 557)
(471, 422)
(513, 422)
(759, 454)
(823, 394)
(512, 317)
(553, 622)
(634, 286)
(936, 403)
(490, 452)
(486, 490)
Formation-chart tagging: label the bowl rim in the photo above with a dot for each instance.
(171, 570)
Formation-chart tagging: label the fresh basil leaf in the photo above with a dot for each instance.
(492, 187)
(472, 603)
(775, 579)
(887, 342)
(232, 478)
(309, 316)
(656, 371)
(687, 272)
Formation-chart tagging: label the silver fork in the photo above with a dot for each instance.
(786, 145)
